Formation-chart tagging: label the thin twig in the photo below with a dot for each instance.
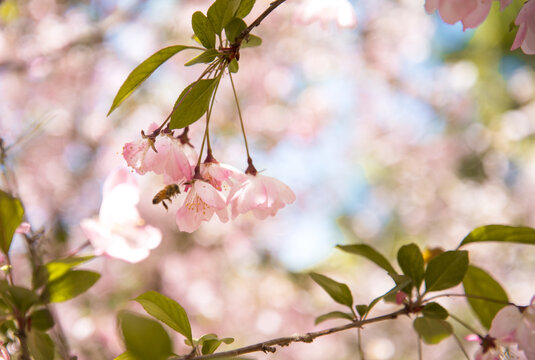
(245, 33)
(270, 345)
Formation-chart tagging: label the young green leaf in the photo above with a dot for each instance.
(126, 356)
(432, 331)
(143, 71)
(362, 309)
(234, 29)
(145, 339)
(40, 345)
(11, 214)
(334, 315)
(57, 268)
(221, 12)
(203, 30)
(411, 261)
(337, 291)
(251, 41)
(446, 270)
(70, 285)
(211, 342)
(206, 57)
(233, 66)
(369, 253)
(22, 298)
(479, 283)
(192, 103)
(501, 233)
(434, 310)
(245, 8)
(167, 311)
(42, 319)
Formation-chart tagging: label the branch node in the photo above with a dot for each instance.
(267, 349)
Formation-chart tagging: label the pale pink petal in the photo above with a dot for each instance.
(452, 11)
(209, 195)
(134, 153)
(520, 36)
(505, 3)
(477, 16)
(431, 5)
(23, 228)
(187, 220)
(528, 46)
(118, 177)
(505, 322)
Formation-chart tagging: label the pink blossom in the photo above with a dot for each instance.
(525, 37)
(4, 354)
(400, 297)
(494, 349)
(511, 325)
(119, 231)
(135, 152)
(23, 228)
(202, 201)
(324, 12)
(263, 195)
(174, 159)
(470, 12)
(221, 176)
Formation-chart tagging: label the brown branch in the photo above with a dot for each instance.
(270, 345)
(245, 33)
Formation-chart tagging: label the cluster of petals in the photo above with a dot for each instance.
(163, 154)
(470, 13)
(223, 189)
(525, 37)
(512, 328)
(324, 12)
(119, 231)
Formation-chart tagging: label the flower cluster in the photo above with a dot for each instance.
(212, 187)
(470, 13)
(512, 331)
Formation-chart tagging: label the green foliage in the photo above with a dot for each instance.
(334, 315)
(203, 30)
(391, 293)
(11, 214)
(446, 270)
(21, 298)
(369, 253)
(477, 282)
(57, 268)
(166, 310)
(42, 319)
(69, 285)
(362, 309)
(411, 261)
(337, 291)
(40, 345)
(126, 356)
(434, 310)
(245, 8)
(145, 339)
(221, 12)
(431, 330)
(233, 66)
(204, 58)
(501, 233)
(234, 29)
(251, 41)
(143, 71)
(192, 103)
(210, 342)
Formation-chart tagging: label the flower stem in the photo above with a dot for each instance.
(465, 324)
(206, 137)
(249, 160)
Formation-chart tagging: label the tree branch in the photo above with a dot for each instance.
(245, 33)
(270, 345)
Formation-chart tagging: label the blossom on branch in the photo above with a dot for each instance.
(470, 12)
(119, 231)
(525, 37)
(138, 153)
(340, 11)
(174, 159)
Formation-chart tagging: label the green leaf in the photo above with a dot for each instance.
(234, 29)
(501, 233)
(126, 356)
(22, 298)
(337, 291)
(166, 310)
(203, 30)
(145, 339)
(221, 12)
(446, 270)
(334, 315)
(251, 41)
(233, 66)
(206, 57)
(434, 310)
(192, 103)
(369, 253)
(432, 331)
(391, 292)
(143, 71)
(11, 214)
(411, 261)
(40, 345)
(245, 8)
(362, 309)
(42, 319)
(58, 268)
(477, 282)
(210, 343)
(70, 285)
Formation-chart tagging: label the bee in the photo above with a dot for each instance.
(166, 194)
